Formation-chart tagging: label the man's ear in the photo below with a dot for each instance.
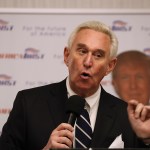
(111, 65)
(66, 55)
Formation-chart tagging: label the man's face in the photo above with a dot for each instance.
(88, 61)
(132, 82)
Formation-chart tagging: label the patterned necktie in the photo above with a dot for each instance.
(83, 131)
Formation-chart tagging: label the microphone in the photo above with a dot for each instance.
(74, 105)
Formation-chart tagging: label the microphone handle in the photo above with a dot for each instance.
(72, 119)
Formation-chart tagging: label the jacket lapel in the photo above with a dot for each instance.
(56, 102)
(104, 122)
(105, 116)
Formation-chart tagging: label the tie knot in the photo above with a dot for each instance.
(87, 106)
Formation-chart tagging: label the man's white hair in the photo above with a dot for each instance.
(100, 27)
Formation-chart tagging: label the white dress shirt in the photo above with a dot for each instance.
(92, 102)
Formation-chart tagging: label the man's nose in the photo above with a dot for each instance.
(133, 83)
(88, 60)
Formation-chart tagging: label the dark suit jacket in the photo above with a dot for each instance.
(38, 111)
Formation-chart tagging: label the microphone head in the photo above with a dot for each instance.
(75, 104)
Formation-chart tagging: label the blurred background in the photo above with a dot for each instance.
(130, 4)
(33, 34)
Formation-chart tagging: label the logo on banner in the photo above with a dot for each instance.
(147, 51)
(5, 110)
(4, 26)
(33, 54)
(30, 53)
(6, 80)
(119, 25)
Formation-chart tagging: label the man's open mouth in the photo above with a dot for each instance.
(85, 75)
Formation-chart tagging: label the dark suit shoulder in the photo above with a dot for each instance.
(40, 94)
(113, 99)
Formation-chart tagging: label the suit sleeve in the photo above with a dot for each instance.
(13, 133)
(129, 136)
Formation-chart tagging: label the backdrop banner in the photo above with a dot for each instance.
(33, 41)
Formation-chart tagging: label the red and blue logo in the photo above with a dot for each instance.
(119, 25)
(30, 53)
(33, 53)
(147, 51)
(4, 26)
(6, 80)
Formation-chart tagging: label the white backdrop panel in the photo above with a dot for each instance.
(32, 43)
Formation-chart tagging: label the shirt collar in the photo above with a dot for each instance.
(91, 100)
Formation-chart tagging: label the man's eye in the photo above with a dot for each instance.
(82, 51)
(98, 55)
(139, 77)
(124, 77)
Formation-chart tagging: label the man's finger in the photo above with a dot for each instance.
(131, 106)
